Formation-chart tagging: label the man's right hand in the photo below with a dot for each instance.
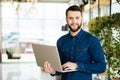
(47, 67)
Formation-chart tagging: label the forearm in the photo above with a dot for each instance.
(96, 68)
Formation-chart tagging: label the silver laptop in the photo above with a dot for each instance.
(48, 53)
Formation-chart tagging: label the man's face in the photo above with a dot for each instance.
(74, 20)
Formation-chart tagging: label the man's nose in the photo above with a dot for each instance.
(74, 20)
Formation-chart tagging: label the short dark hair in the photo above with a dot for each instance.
(74, 8)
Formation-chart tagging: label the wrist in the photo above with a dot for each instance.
(53, 74)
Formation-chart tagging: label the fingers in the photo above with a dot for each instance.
(66, 66)
(48, 68)
(69, 66)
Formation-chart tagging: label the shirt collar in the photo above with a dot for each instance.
(78, 35)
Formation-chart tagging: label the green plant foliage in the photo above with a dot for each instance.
(107, 29)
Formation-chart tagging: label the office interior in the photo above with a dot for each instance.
(23, 22)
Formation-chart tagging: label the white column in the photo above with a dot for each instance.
(0, 33)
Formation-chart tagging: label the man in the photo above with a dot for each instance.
(78, 50)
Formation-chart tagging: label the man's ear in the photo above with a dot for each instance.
(66, 19)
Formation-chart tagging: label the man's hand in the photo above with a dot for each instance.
(48, 68)
(69, 66)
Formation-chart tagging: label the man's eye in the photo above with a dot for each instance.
(70, 18)
(77, 17)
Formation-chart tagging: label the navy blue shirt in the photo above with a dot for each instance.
(85, 50)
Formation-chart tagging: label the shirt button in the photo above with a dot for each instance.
(71, 57)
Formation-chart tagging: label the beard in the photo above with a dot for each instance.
(74, 30)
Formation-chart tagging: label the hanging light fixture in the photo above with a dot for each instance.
(118, 1)
(65, 1)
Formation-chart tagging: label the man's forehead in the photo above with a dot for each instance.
(73, 13)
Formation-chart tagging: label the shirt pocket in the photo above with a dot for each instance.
(81, 54)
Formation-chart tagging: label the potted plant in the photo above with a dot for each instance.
(107, 29)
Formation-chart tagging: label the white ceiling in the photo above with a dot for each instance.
(53, 0)
(64, 1)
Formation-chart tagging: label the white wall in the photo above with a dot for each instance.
(0, 26)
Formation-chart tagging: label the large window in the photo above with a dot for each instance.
(25, 23)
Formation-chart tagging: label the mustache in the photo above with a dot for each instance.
(74, 30)
(74, 23)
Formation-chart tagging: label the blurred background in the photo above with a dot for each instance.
(23, 22)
